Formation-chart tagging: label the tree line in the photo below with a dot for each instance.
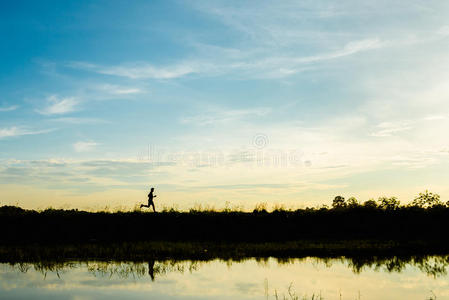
(423, 200)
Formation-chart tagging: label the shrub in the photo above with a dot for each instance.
(260, 207)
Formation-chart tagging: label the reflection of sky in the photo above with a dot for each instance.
(221, 280)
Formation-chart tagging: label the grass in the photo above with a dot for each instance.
(402, 224)
(291, 294)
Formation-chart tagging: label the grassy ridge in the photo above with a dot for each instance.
(429, 225)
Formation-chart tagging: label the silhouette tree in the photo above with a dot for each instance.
(353, 202)
(371, 203)
(391, 203)
(426, 200)
(339, 202)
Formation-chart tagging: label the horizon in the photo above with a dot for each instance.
(222, 102)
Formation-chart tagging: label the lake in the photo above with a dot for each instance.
(263, 278)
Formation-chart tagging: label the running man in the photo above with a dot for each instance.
(150, 200)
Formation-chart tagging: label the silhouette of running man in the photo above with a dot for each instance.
(150, 200)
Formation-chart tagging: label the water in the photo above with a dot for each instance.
(336, 278)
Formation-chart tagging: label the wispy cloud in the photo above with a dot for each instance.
(78, 120)
(8, 108)
(19, 131)
(58, 106)
(223, 116)
(85, 146)
(443, 31)
(286, 65)
(385, 129)
(352, 47)
(142, 70)
(263, 65)
(435, 117)
(119, 90)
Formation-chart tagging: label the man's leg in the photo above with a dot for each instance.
(154, 208)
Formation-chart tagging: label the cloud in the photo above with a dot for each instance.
(119, 90)
(84, 146)
(223, 116)
(18, 131)
(282, 65)
(248, 186)
(81, 176)
(137, 70)
(390, 128)
(435, 117)
(443, 31)
(350, 48)
(78, 120)
(226, 61)
(273, 41)
(58, 106)
(8, 108)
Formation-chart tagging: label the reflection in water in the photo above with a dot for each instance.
(151, 269)
(262, 278)
(431, 265)
(139, 269)
(434, 266)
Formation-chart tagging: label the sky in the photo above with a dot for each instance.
(222, 103)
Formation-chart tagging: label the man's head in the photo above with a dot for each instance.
(152, 189)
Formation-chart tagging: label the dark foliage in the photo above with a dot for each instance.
(342, 223)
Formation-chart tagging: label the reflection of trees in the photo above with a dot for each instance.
(117, 269)
(141, 269)
(391, 264)
(44, 267)
(434, 266)
(121, 270)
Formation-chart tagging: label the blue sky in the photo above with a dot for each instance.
(287, 102)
